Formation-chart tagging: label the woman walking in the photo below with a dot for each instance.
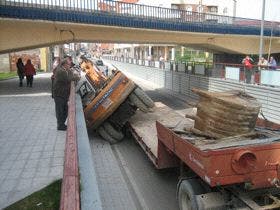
(29, 71)
(20, 71)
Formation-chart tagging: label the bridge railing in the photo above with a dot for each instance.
(137, 10)
(261, 75)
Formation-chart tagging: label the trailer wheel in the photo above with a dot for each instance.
(137, 102)
(144, 97)
(106, 136)
(187, 190)
(118, 135)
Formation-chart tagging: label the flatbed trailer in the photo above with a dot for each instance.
(240, 172)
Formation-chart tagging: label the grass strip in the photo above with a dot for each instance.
(47, 198)
(7, 75)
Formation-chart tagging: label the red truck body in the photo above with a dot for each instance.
(256, 163)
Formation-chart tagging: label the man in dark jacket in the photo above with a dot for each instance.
(20, 71)
(61, 92)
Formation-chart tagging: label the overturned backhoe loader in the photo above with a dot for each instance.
(109, 102)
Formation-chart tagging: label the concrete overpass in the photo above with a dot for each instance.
(26, 25)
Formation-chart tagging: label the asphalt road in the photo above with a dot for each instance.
(127, 178)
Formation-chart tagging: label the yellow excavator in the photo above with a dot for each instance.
(109, 102)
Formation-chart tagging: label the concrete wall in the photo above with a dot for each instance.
(4, 63)
(33, 55)
(39, 58)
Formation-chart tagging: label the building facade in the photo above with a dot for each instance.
(168, 52)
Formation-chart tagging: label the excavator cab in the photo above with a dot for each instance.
(94, 76)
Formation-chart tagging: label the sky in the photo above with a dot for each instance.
(244, 8)
(253, 9)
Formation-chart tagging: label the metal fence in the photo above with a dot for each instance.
(182, 83)
(143, 12)
(261, 75)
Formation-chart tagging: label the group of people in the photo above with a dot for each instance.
(61, 83)
(262, 65)
(27, 70)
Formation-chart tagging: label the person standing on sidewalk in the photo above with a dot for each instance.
(61, 91)
(55, 65)
(29, 71)
(248, 68)
(20, 71)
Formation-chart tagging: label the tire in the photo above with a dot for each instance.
(102, 132)
(144, 97)
(118, 135)
(187, 190)
(137, 102)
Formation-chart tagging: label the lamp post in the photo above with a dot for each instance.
(262, 27)
(234, 8)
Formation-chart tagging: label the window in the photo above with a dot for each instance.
(213, 9)
(189, 8)
(199, 8)
(174, 6)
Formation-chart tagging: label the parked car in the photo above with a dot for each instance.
(99, 63)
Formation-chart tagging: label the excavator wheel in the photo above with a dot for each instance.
(106, 136)
(118, 135)
(138, 103)
(144, 97)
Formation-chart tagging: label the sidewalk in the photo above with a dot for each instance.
(31, 149)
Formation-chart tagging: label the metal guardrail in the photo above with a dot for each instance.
(261, 75)
(182, 83)
(87, 9)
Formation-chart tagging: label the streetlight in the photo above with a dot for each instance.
(234, 8)
(262, 26)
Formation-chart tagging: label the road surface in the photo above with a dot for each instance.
(127, 178)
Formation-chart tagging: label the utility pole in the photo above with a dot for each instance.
(234, 8)
(262, 27)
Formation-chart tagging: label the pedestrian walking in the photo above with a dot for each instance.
(248, 68)
(29, 72)
(272, 63)
(20, 71)
(61, 91)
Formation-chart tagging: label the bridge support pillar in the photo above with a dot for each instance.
(5, 63)
(166, 56)
(173, 53)
(44, 59)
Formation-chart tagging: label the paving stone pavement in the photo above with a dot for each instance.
(31, 149)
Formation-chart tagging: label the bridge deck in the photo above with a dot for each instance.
(120, 14)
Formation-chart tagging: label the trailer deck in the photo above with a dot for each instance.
(144, 124)
(166, 137)
(143, 128)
